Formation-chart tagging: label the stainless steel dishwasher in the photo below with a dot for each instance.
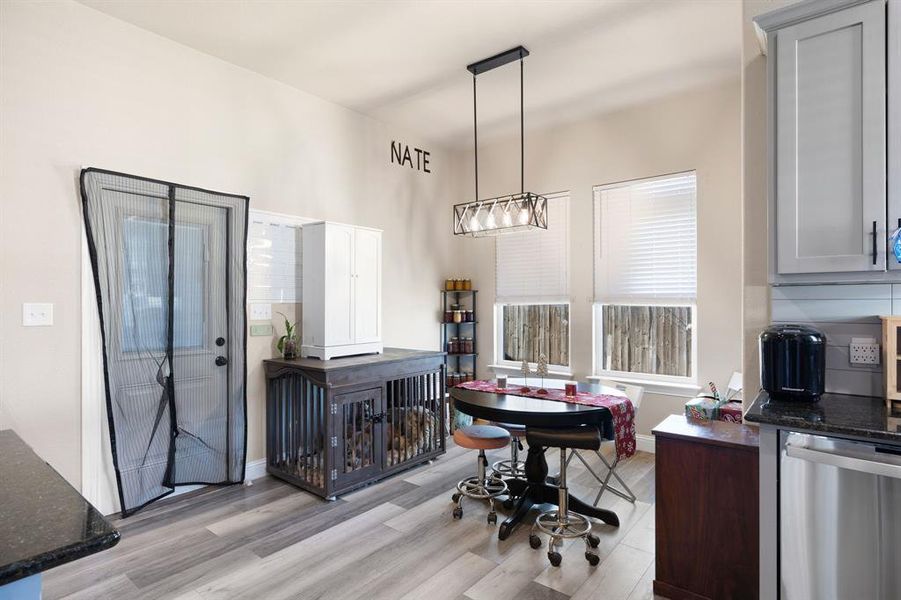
(839, 519)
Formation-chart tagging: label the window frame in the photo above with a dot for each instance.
(501, 363)
(675, 384)
(662, 384)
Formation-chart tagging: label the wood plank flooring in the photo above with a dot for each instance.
(393, 540)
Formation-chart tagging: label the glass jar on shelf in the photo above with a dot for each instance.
(458, 313)
(448, 316)
(467, 284)
(449, 284)
(470, 316)
(458, 285)
(467, 345)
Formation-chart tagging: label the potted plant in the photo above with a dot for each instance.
(287, 344)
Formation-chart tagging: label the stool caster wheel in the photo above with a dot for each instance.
(492, 518)
(593, 559)
(455, 498)
(534, 541)
(458, 513)
(509, 503)
(593, 540)
(555, 558)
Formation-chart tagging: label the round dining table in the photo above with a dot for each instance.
(537, 412)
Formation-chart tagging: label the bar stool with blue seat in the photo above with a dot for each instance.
(481, 486)
(561, 523)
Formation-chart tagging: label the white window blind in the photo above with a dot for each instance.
(533, 266)
(646, 240)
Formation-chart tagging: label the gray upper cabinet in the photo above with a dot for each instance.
(894, 122)
(827, 80)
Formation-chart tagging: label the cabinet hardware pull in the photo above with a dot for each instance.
(874, 242)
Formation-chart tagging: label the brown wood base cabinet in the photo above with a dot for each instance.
(336, 425)
(706, 510)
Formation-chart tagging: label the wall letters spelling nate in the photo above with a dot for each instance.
(400, 154)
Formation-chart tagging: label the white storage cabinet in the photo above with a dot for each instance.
(342, 290)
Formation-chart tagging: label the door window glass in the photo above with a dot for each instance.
(144, 290)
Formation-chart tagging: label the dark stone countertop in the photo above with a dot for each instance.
(44, 521)
(714, 433)
(858, 416)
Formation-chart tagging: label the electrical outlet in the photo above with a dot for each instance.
(37, 314)
(864, 351)
(260, 312)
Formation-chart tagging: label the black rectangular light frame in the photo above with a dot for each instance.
(498, 60)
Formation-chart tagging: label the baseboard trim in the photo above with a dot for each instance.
(254, 469)
(644, 443)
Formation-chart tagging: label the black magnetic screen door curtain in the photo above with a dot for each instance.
(169, 270)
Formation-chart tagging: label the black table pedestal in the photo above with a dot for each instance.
(537, 491)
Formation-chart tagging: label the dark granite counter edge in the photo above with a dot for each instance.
(859, 417)
(47, 560)
(825, 428)
(711, 433)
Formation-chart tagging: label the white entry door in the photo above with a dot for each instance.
(199, 366)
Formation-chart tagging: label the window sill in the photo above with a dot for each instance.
(666, 388)
(511, 370)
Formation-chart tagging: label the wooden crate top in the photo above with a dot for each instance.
(389, 355)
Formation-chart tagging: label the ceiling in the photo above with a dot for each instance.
(403, 62)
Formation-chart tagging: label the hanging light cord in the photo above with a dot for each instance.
(475, 133)
(522, 132)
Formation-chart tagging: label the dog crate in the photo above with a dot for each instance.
(332, 426)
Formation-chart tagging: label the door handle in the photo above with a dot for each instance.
(843, 461)
(874, 242)
(221, 361)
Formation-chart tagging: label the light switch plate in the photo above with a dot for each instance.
(259, 330)
(864, 351)
(37, 314)
(260, 312)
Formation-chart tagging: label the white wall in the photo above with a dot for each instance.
(697, 130)
(79, 88)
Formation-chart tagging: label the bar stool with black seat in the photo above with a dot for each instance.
(482, 486)
(512, 467)
(562, 523)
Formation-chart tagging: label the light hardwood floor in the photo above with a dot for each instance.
(393, 540)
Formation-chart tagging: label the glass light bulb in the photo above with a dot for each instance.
(490, 222)
(523, 216)
(474, 224)
(508, 220)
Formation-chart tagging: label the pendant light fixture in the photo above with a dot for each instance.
(515, 212)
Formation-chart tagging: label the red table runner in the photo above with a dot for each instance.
(620, 408)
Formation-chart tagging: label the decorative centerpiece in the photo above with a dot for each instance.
(541, 370)
(287, 344)
(525, 370)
